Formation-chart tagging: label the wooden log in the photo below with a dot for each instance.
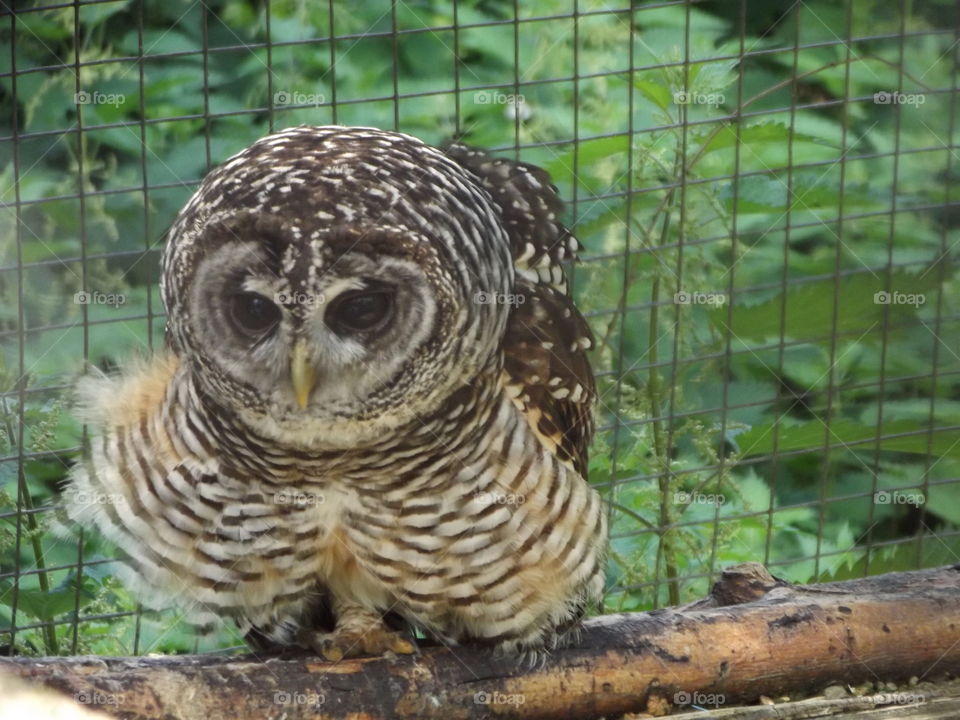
(753, 636)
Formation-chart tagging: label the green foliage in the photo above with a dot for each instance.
(812, 376)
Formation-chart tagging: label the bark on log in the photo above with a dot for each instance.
(753, 636)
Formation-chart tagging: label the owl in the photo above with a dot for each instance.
(372, 412)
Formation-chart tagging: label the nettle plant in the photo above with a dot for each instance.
(738, 268)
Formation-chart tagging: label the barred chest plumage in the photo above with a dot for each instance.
(463, 523)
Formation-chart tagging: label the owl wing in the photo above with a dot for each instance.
(546, 371)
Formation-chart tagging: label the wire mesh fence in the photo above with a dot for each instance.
(766, 196)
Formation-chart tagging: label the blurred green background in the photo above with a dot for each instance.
(766, 193)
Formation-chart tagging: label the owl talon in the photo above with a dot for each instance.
(374, 642)
(402, 646)
(331, 652)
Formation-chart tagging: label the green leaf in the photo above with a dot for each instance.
(944, 502)
(752, 135)
(52, 603)
(899, 557)
(587, 153)
(907, 437)
(810, 307)
(656, 93)
(41, 605)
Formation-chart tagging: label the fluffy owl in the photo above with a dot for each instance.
(373, 409)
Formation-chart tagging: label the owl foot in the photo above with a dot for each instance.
(347, 642)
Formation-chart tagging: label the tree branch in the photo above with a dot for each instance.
(754, 635)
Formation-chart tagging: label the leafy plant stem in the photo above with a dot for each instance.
(49, 632)
(666, 549)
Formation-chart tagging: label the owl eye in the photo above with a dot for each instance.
(360, 310)
(253, 314)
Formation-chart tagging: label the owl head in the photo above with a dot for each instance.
(326, 283)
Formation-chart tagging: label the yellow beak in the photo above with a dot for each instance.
(302, 373)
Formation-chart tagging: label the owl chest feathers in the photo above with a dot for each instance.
(481, 533)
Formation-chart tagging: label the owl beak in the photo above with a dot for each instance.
(302, 373)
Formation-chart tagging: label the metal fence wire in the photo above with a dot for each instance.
(767, 197)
